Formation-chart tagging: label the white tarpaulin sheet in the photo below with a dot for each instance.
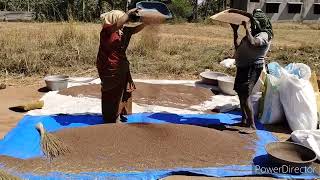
(55, 103)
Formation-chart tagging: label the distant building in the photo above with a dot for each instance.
(283, 10)
(16, 16)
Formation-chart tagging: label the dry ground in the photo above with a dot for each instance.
(14, 96)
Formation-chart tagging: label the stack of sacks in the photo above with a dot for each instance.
(272, 112)
(271, 108)
(310, 138)
(290, 94)
(256, 97)
(298, 98)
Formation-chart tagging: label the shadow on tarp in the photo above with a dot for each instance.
(192, 119)
(178, 119)
(66, 120)
(23, 142)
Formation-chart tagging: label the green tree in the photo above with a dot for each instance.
(90, 10)
(210, 7)
(181, 8)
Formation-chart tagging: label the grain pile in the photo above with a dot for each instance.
(177, 96)
(6, 176)
(130, 147)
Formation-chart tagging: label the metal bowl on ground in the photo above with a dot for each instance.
(226, 85)
(210, 77)
(56, 82)
(288, 153)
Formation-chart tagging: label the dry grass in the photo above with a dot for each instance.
(174, 51)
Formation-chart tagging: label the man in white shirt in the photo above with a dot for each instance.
(250, 54)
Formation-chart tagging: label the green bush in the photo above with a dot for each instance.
(181, 8)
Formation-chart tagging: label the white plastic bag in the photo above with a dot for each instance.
(255, 100)
(228, 63)
(298, 101)
(301, 70)
(310, 139)
(258, 87)
(272, 109)
(274, 69)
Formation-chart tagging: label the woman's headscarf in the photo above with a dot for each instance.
(111, 17)
(261, 23)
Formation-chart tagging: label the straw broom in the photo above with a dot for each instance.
(31, 106)
(5, 176)
(51, 145)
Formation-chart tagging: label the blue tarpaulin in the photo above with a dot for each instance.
(24, 142)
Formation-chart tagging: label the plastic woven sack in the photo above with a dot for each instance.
(299, 69)
(299, 102)
(263, 89)
(259, 86)
(272, 110)
(228, 63)
(255, 102)
(274, 69)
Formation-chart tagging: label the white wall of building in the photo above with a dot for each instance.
(306, 13)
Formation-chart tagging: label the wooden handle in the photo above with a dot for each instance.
(40, 128)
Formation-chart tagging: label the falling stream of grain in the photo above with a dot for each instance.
(150, 35)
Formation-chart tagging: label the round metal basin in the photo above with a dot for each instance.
(226, 85)
(288, 153)
(56, 82)
(211, 78)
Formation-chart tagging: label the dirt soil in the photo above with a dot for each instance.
(129, 147)
(178, 96)
(13, 96)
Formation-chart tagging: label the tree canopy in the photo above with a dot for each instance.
(90, 10)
